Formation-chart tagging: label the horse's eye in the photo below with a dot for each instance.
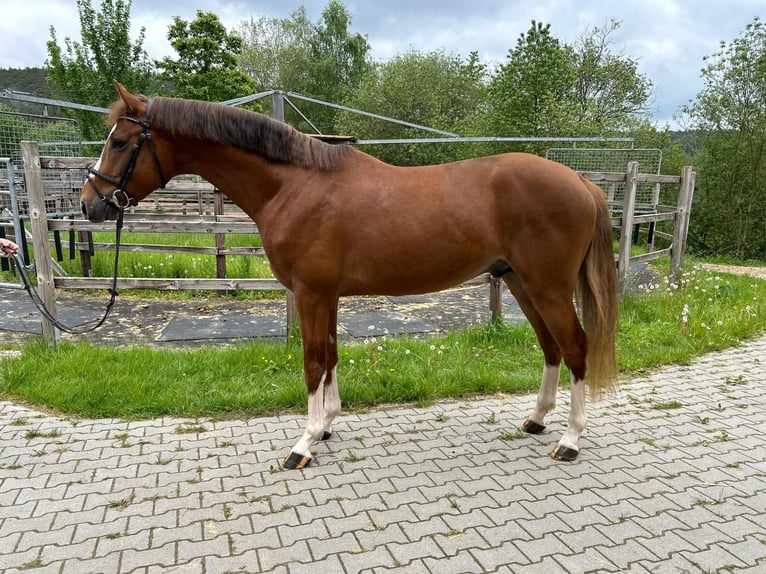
(119, 145)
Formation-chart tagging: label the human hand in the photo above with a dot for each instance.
(8, 248)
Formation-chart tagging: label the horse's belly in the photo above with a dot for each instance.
(410, 276)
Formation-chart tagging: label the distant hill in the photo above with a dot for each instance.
(28, 80)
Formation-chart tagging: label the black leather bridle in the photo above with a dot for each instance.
(120, 197)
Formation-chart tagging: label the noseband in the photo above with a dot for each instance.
(120, 197)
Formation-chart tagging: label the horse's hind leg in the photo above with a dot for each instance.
(332, 404)
(561, 320)
(546, 397)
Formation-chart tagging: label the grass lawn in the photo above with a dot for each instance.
(661, 323)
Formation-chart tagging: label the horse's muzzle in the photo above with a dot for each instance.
(98, 211)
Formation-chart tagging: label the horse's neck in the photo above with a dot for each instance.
(248, 180)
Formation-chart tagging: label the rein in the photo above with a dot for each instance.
(120, 199)
(40, 304)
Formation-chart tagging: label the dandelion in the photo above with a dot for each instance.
(406, 351)
(351, 362)
(685, 314)
(719, 323)
(380, 348)
(442, 347)
(432, 347)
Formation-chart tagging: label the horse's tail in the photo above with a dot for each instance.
(597, 294)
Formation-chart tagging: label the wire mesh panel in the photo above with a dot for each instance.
(56, 137)
(615, 160)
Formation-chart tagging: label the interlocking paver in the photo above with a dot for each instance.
(429, 490)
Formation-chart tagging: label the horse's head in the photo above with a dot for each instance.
(130, 166)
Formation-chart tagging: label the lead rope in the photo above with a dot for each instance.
(40, 304)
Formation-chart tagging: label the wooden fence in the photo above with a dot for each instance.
(196, 207)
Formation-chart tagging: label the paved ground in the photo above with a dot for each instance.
(671, 479)
(165, 322)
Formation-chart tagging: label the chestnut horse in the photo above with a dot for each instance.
(335, 221)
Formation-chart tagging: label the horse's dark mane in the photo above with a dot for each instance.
(249, 131)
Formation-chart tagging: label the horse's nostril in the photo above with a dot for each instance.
(84, 209)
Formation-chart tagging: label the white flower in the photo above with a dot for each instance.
(351, 362)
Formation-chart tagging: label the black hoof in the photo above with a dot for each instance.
(564, 453)
(326, 435)
(532, 427)
(295, 460)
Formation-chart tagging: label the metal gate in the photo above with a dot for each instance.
(56, 137)
(615, 160)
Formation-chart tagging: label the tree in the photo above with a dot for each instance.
(323, 60)
(83, 72)
(549, 88)
(433, 89)
(276, 51)
(339, 58)
(610, 94)
(532, 92)
(206, 67)
(729, 215)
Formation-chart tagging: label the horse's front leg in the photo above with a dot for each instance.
(315, 313)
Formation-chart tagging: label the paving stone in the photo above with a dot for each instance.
(367, 561)
(437, 491)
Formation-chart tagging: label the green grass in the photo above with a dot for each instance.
(143, 264)
(660, 324)
(175, 265)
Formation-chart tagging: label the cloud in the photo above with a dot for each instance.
(668, 38)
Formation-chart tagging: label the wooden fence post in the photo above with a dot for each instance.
(626, 226)
(39, 221)
(220, 238)
(496, 297)
(681, 227)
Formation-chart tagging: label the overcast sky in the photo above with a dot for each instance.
(669, 38)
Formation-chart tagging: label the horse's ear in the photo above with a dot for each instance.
(133, 104)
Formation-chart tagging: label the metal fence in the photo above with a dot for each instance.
(615, 160)
(56, 137)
